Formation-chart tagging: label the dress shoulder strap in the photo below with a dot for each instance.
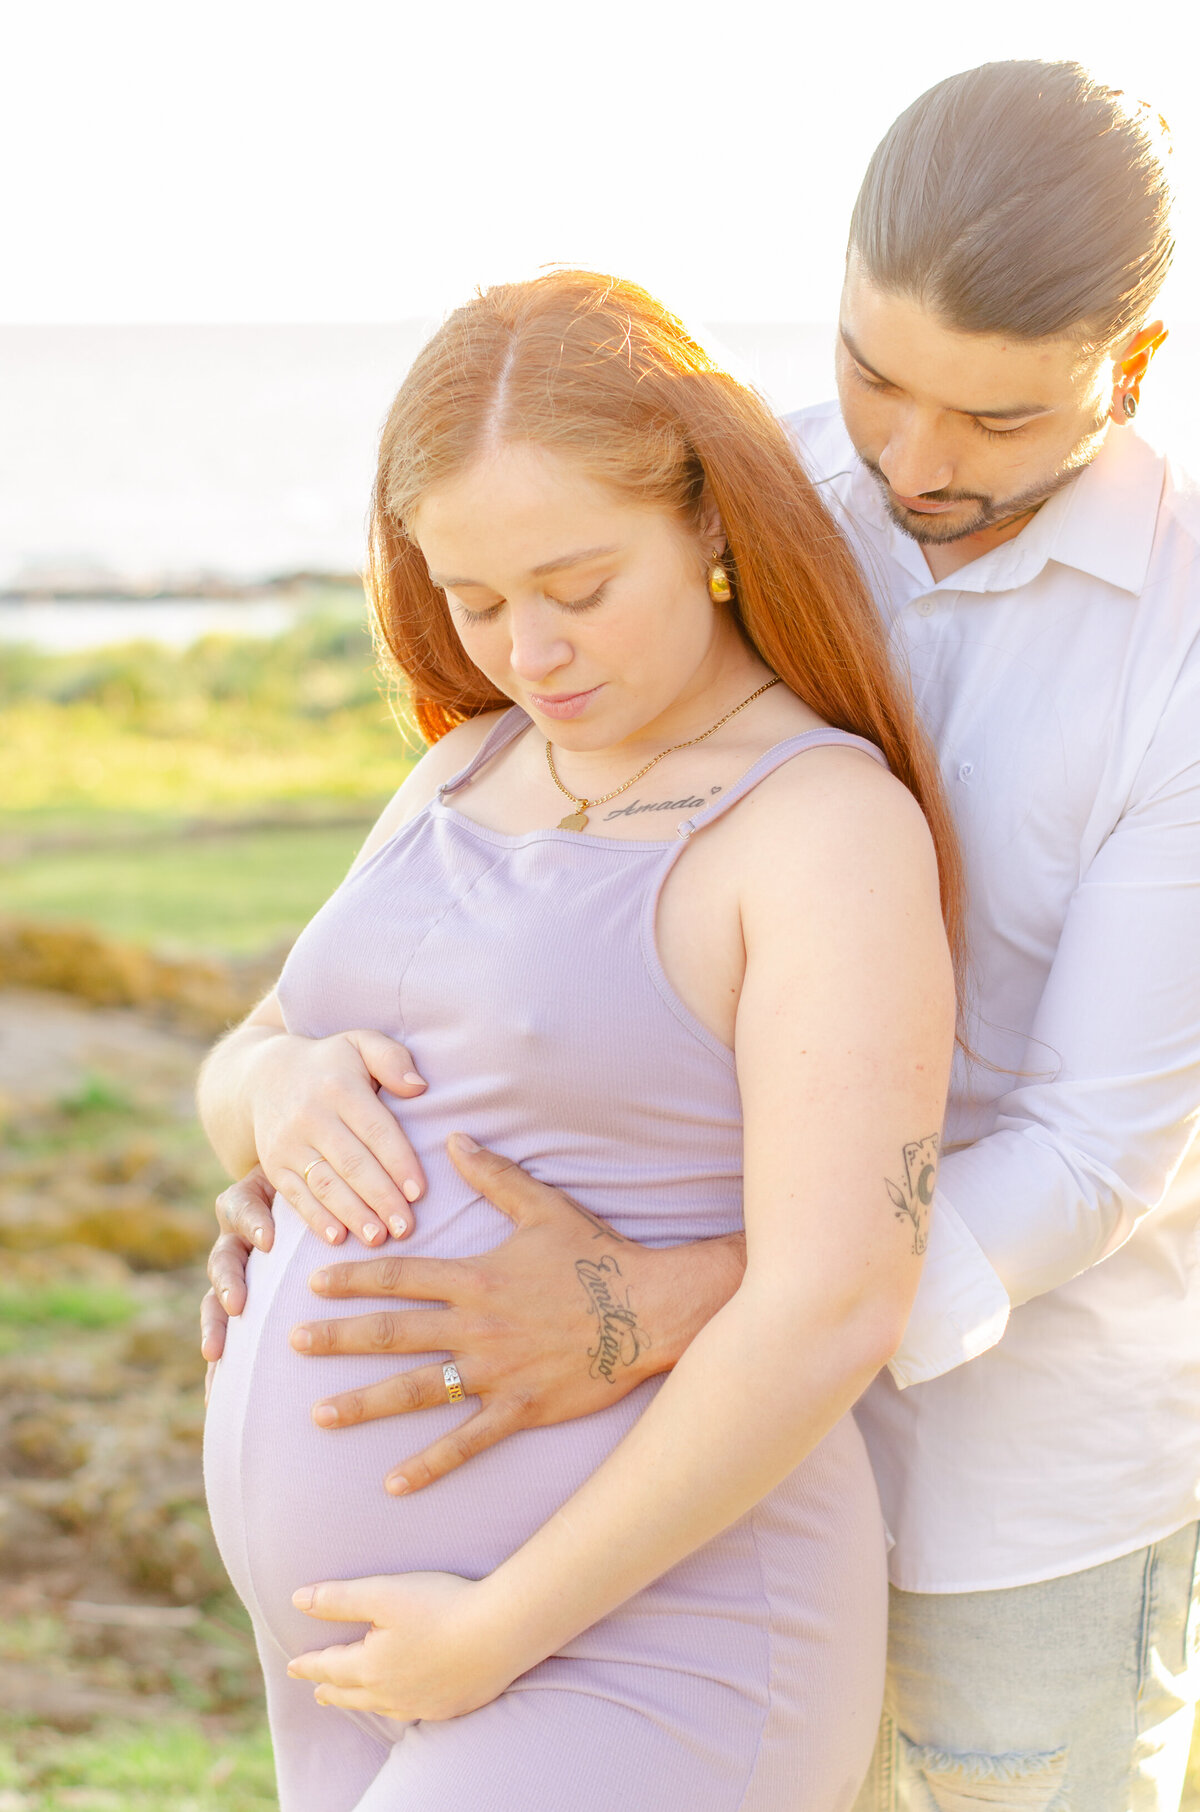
(775, 758)
(506, 730)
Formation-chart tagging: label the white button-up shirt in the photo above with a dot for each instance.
(1059, 675)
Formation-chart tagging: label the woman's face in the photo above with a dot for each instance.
(587, 609)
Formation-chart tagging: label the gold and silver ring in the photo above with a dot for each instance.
(312, 1165)
(454, 1384)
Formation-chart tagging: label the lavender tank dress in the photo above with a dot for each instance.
(522, 974)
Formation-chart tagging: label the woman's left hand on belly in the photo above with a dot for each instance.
(431, 1652)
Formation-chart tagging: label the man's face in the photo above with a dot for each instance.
(961, 430)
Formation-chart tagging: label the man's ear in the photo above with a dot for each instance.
(1130, 365)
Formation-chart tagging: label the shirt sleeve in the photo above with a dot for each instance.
(1078, 1159)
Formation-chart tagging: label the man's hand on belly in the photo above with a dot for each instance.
(562, 1319)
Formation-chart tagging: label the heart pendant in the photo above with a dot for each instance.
(576, 822)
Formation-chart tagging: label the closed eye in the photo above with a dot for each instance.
(998, 433)
(868, 383)
(587, 603)
(477, 616)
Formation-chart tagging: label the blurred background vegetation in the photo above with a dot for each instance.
(168, 821)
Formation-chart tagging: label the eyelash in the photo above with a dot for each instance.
(992, 433)
(485, 616)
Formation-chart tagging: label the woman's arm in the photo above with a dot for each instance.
(844, 1038)
(294, 1104)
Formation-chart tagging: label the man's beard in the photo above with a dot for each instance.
(989, 511)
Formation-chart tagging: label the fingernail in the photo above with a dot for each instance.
(302, 1340)
(398, 1225)
(319, 1280)
(302, 1598)
(410, 1189)
(331, 1234)
(373, 1232)
(413, 1080)
(259, 1236)
(463, 1142)
(325, 1416)
(397, 1484)
(225, 1297)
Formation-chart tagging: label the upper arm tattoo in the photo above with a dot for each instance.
(913, 1197)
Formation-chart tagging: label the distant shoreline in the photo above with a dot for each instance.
(166, 591)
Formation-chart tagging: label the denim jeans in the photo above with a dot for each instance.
(1076, 1695)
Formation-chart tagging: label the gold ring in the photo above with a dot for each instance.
(311, 1166)
(454, 1384)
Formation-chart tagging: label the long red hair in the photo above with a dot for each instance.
(594, 368)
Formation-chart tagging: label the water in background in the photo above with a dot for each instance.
(130, 454)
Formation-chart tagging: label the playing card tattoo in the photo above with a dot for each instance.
(913, 1197)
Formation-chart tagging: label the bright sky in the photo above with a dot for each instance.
(285, 161)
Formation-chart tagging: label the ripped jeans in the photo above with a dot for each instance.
(1076, 1695)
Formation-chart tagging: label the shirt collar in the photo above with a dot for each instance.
(1102, 523)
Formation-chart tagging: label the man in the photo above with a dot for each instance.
(1037, 1444)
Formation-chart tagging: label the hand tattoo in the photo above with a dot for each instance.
(914, 1196)
(619, 1339)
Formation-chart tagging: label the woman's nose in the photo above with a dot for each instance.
(538, 647)
(912, 462)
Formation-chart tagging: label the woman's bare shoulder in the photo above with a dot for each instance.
(833, 816)
(440, 762)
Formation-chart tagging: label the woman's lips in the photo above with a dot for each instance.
(562, 704)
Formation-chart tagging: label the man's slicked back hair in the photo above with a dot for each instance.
(1024, 199)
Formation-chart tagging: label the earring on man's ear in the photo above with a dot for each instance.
(1129, 404)
(719, 588)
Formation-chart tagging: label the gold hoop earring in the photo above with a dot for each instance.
(719, 588)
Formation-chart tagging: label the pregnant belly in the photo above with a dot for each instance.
(292, 1504)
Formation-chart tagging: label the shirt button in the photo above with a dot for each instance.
(925, 607)
(966, 770)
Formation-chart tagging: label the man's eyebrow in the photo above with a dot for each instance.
(547, 566)
(1010, 413)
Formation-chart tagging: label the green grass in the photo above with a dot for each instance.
(169, 1767)
(123, 765)
(141, 735)
(239, 894)
(79, 1305)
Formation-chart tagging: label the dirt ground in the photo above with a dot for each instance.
(113, 1602)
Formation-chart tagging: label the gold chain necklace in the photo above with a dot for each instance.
(577, 820)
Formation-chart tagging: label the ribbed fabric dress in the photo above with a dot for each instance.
(522, 974)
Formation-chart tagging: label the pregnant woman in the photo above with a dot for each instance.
(657, 817)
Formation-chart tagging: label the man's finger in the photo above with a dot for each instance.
(387, 1331)
(473, 1436)
(424, 1388)
(213, 1322)
(418, 1279)
(245, 1209)
(503, 1183)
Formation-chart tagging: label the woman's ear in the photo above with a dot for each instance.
(712, 535)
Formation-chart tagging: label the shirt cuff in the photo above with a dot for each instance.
(961, 1309)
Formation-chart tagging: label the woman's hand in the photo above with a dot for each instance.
(324, 1139)
(432, 1651)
